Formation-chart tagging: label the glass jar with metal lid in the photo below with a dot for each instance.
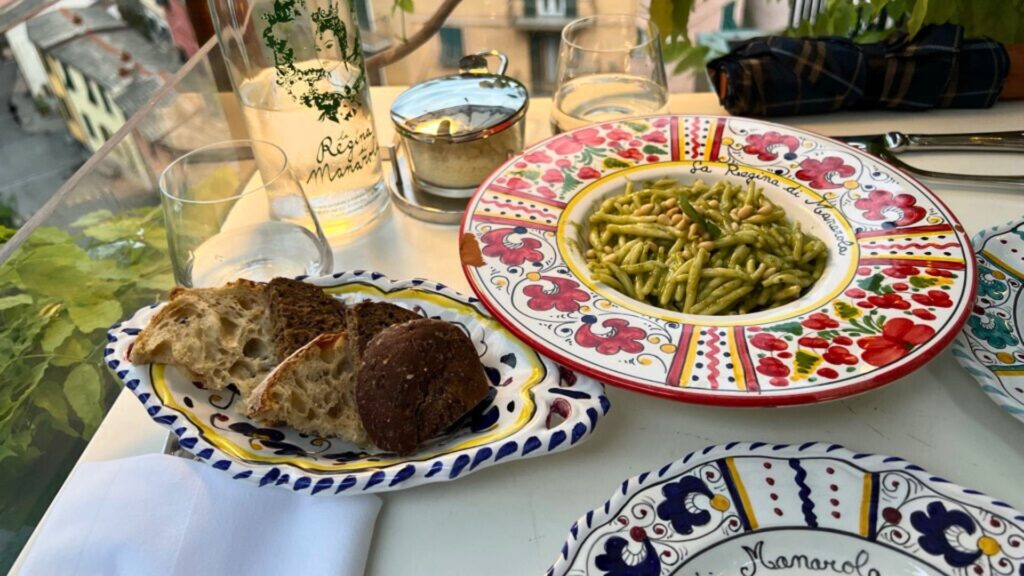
(456, 130)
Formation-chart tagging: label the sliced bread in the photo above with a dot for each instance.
(219, 336)
(416, 379)
(313, 391)
(300, 312)
(367, 319)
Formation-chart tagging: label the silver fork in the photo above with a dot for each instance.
(887, 147)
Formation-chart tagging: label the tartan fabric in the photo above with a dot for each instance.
(938, 68)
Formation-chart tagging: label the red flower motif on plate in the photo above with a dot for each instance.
(769, 342)
(817, 172)
(565, 296)
(552, 176)
(537, 157)
(631, 153)
(618, 134)
(545, 192)
(933, 298)
(899, 336)
(890, 300)
(517, 183)
(765, 145)
(882, 205)
(771, 366)
(588, 173)
(938, 272)
(620, 336)
(497, 243)
(819, 321)
(839, 355)
(901, 271)
(658, 137)
(573, 143)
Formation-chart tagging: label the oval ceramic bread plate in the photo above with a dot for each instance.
(991, 346)
(813, 509)
(536, 408)
(897, 288)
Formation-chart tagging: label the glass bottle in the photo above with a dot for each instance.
(297, 68)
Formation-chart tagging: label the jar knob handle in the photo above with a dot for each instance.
(477, 63)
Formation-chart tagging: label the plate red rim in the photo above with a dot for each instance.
(742, 399)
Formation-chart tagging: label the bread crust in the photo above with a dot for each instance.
(415, 379)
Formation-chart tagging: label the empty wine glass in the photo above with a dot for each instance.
(235, 210)
(609, 67)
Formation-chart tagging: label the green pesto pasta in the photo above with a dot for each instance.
(723, 249)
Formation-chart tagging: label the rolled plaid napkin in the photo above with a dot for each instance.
(938, 68)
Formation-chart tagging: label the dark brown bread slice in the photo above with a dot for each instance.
(414, 380)
(299, 312)
(367, 319)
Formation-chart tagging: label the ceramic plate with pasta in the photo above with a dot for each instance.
(718, 260)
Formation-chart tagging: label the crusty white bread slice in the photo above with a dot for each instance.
(218, 335)
(313, 391)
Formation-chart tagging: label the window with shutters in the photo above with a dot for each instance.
(69, 82)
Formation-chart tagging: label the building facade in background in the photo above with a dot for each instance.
(96, 69)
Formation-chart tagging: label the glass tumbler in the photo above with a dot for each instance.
(609, 67)
(235, 210)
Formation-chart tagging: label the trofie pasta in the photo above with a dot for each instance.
(723, 249)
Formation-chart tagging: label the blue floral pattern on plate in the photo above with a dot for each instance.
(753, 508)
(535, 407)
(991, 345)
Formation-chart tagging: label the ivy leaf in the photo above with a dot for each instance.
(56, 333)
(871, 283)
(49, 397)
(90, 317)
(793, 328)
(16, 300)
(82, 390)
(47, 235)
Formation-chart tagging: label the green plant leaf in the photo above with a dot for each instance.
(93, 218)
(74, 350)
(57, 331)
(16, 300)
(661, 15)
(50, 397)
(83, 392)
(91, 317)
(917, 15)
(652, 149)
(47, 235)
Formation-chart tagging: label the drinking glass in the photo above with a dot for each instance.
(609, 67)
(234, 210)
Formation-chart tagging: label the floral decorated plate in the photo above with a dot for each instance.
(991, 346)
(898, 285)
(535, 407)
(812, 509)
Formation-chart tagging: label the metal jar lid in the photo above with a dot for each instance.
(470, 105)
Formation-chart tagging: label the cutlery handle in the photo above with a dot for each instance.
(996, 141)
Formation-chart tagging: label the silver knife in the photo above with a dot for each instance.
(887, 146)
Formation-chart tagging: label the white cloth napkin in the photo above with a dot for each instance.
(160, 515)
